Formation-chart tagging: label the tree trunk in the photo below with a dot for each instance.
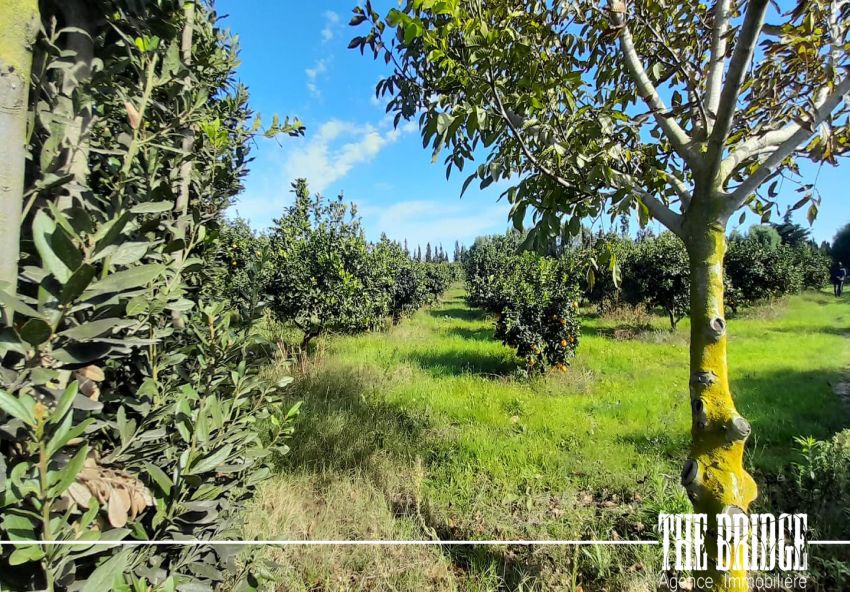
(714, 475)
(18, 30)
(188, 141)
(309, 334)
(181, 206)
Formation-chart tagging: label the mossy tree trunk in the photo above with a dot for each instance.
(18, 29)
(714, 474)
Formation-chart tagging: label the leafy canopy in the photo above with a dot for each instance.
(586, 107)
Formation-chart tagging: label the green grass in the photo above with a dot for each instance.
(429, 432)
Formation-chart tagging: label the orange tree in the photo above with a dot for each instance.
(681, 111)
(326, 277)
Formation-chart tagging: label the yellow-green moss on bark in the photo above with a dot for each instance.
(19, 29)
(18, 32)
(714, 474)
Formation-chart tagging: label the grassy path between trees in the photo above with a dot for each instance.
(425, 431)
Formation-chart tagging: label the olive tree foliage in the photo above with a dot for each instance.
(128, 407)
(682, 111)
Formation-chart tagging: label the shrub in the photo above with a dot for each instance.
(819, 484)
(404, 280)
(656, 273)
(813, 265)
(128, 409)
(486, 265)
(239, 267)
(320, 259)
(765, 235)
(539, 318)
(600, 284)
(757, 270)
(436, 277)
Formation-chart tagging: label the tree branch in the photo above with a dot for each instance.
(677, 136)
(656, 207)
(717, 59)
(679, 186)
(740, 63)
(760, 144)
(660, 212)
(789, 144)
(523, 145)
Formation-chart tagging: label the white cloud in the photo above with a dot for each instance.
(313, 73)
(336, 148)
(331, 21)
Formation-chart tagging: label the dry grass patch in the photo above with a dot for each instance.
(344, 506)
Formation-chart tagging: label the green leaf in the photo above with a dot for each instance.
(108, 573)
(210, 461)
(65, 249)
(137, 305)
(108, 232)
(126, 429)
(67, 433)
(35, 332)
(77, 283)
(127, 279)
(19, 524)
(64, 403)
(69, 472)
(12, 303)
(153, 207)
(129, 253)
(17, 408)
(76, 354)
(159, 477)
(42, 231)
(94, 329)
(26, 554)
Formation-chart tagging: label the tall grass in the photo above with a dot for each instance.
(426, 431)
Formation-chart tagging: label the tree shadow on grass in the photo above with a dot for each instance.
(459, 313)
(623, 331)
(787, 403)
(779, 406)
(459, 362)
(516, 566)
(344, 425)
(473, 334)
(840, 330)
(341, 426)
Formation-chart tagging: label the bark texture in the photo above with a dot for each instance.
(181, 205)
(714, 474)
(18, 31)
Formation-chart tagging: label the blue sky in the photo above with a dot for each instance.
(296, 62)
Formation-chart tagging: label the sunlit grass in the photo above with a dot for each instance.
(595, 452)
